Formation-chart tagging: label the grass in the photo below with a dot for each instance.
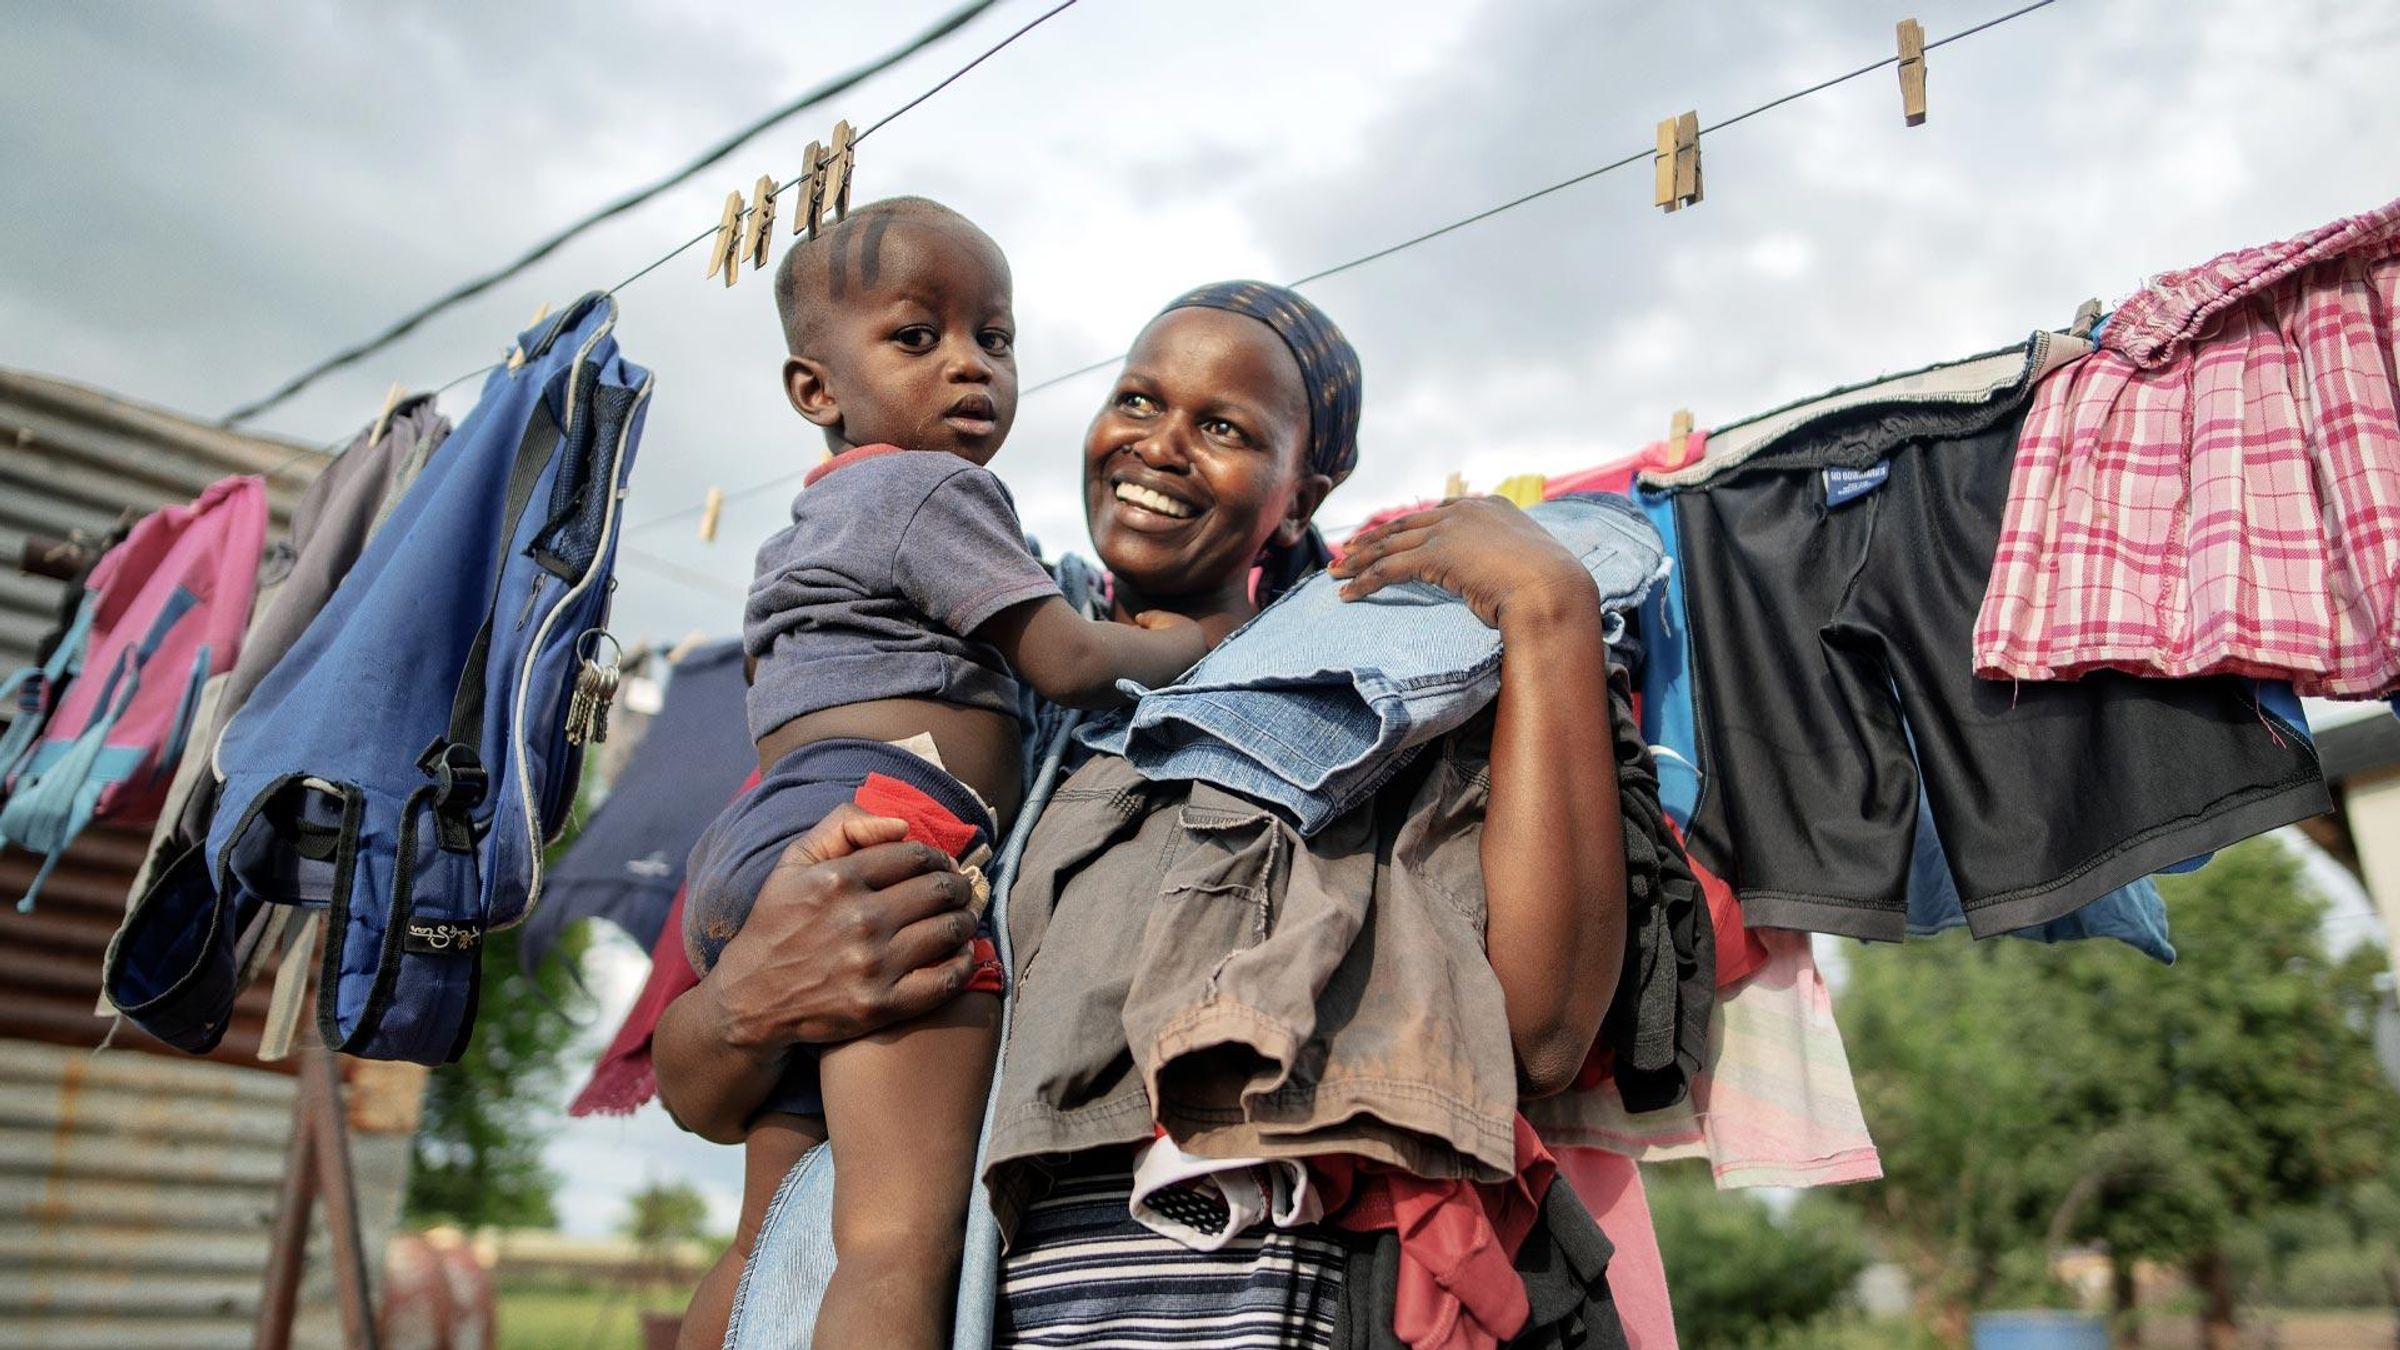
(579, 1317)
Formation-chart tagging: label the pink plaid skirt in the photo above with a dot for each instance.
(2217, 488)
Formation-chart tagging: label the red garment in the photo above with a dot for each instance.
(847, 458)
(1459, 1288)
(1610, 1186)
(1618, 476)
(930, 822)
(1739, 952)
(623, 1079)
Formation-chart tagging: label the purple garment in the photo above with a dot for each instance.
(628, 862)
(892, 560)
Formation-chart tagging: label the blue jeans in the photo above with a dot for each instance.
(1316, 702)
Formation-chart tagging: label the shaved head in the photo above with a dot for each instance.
(819, 275)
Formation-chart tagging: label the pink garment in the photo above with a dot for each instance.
(1458, 1287)
(2217, 488)
(1774, 1105)
(1610, 1186)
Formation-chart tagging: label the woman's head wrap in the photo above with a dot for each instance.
(1329, 374)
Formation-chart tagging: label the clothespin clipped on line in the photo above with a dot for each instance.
(680, 650)
(1677, 162)
(825, 181)
(709, 513)
(516, 355)
(761, 240)
(2087, 317)
(391, 400)
(1912, 72)
(725, 250)
(1454, 487)
(1679, 438)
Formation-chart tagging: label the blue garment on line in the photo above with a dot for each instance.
(1316, 702)
(627, 864)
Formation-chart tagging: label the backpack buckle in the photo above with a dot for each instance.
(459, 782)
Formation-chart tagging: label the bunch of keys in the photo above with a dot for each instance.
(595, 689)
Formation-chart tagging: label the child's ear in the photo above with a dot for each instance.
(804, 384)
(1307, 495)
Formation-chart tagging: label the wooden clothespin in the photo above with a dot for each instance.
(1677, 163)
(810, 189)
(1679, 438)
(825, 181)
(1454, 487)
(725, 251)
(680, 650)
(516, 355)
(1912, 72)
(2087, 316)
(709, 513)
(761, 239)
(391, 400)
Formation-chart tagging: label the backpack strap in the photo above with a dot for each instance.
(454, 761)
(62, 782)
(33, 687)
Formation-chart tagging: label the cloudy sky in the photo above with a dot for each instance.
(207, 197)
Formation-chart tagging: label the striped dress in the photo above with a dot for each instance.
(1082, 1273)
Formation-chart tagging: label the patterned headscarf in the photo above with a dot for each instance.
(1330, 373)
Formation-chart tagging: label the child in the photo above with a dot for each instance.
(890, 623)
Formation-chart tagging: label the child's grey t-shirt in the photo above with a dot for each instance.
(892, 558)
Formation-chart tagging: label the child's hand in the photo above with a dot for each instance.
(1195, 637)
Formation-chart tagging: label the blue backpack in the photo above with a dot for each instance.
(402, 767)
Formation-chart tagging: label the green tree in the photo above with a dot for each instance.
(1738, 1273)
(664, 1212)
(2025, 1097)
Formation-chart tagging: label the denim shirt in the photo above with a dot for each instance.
(1315, 703)
(775, 1307)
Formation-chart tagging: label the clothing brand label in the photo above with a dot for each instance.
(440, 938)
(1846, 485)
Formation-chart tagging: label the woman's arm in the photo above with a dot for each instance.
(1553, 844)
(851, 933)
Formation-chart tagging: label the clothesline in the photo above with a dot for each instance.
(840, 84)
(785, 479)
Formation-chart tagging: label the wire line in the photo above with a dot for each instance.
(1586, 176)
(840, 84)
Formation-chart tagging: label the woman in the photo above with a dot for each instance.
(1238, 406)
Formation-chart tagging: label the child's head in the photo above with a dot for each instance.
(901, 326)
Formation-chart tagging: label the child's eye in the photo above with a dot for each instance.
(998, 341)
(917, 338)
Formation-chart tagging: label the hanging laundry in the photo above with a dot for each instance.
(404, 763)
(1609, 1187)
(2217, 488)
(1292, 714)
(1774, 1105)
(1833, 564)
(161, 613)
(330, 528)
(628, 863)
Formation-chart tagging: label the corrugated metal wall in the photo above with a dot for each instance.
(136, 1193)
(74, 458)
(138, 1184)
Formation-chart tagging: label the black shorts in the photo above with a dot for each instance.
(1833, 578)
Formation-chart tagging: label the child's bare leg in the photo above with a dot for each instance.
(776, 1143)
(904, 1107)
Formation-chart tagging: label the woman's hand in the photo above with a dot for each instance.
(1491, 555)
(854, 931)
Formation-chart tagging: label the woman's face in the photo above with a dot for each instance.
(1195, 462)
